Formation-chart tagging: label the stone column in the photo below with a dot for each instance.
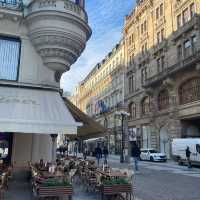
(54, 138)
(35, 148)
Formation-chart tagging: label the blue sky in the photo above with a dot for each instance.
(106, 18)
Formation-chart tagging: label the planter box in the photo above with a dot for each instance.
(54, 191)
(115, 189)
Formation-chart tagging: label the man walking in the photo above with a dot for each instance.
(188, 153)
(136, 155)
(98, 153)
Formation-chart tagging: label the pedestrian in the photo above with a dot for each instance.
(84, 151)
(76, 149)
(98, 153)
(105, 154)
(136, 155)
(188, 153)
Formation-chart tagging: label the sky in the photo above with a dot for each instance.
(106, 19)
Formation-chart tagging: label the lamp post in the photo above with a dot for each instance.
(123, 115)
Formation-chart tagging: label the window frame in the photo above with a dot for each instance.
(185, 18)
(145, 106)
(14, 39)
(163, 100)
(192, 10)
(189, 91)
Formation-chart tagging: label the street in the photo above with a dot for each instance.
(160, 181)
(163, 181)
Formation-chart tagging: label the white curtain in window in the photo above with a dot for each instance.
(9, 59)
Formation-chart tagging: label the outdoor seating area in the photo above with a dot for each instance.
(60, 180)
(5, 178)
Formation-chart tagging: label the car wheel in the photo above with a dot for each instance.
(151, 159)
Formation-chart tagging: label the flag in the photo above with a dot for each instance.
(81, 3)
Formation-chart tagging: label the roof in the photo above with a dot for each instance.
(90, 128)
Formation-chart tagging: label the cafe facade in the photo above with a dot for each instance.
(39, 40)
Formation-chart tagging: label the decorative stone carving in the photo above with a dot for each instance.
(58, 30)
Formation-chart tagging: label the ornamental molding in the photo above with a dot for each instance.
(12, 15)
(58, 30)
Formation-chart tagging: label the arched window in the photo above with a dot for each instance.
(189, 91)
(163, 100)
(145, 105)
(132, 110)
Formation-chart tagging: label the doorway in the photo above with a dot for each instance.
(164, 142)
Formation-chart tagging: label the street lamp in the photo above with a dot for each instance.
(123, 115)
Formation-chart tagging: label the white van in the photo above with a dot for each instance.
(179, 146)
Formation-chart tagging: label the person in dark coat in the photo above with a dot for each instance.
(105, 153)
(98, 153)
(136, 155)
(188, 153)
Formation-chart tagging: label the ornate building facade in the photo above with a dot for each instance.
(162, 50)
(101, 94)
(39, 40)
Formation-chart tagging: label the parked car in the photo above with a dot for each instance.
(179, 146)
(152, 155)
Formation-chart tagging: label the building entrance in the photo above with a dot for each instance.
(6, 140)
(164, 142)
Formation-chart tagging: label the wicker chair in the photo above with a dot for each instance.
(4, 185)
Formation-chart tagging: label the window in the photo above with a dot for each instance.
(163, 100)
(129, 40)
(189, 91)
(198, 148)
(179, 52)
(142, 28)
(162, 34)
(145, 47)
(194, 43)
(187, 48)
(179, 21)
(160, 64)
(143, 75)
(145, 26)
(185, 16)
(131, 84)
(158, 37)
(157, 13)
(192, 10)
(9, 58)
(132, 110)
(161, 9)
(146, 105)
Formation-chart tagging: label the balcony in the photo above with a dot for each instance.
(58, 30)
(181, 65)
(190, 25)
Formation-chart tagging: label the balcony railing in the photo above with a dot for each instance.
(191, 60)
(186, 27)
(11, 4)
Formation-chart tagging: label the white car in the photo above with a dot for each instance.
(152, 155)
